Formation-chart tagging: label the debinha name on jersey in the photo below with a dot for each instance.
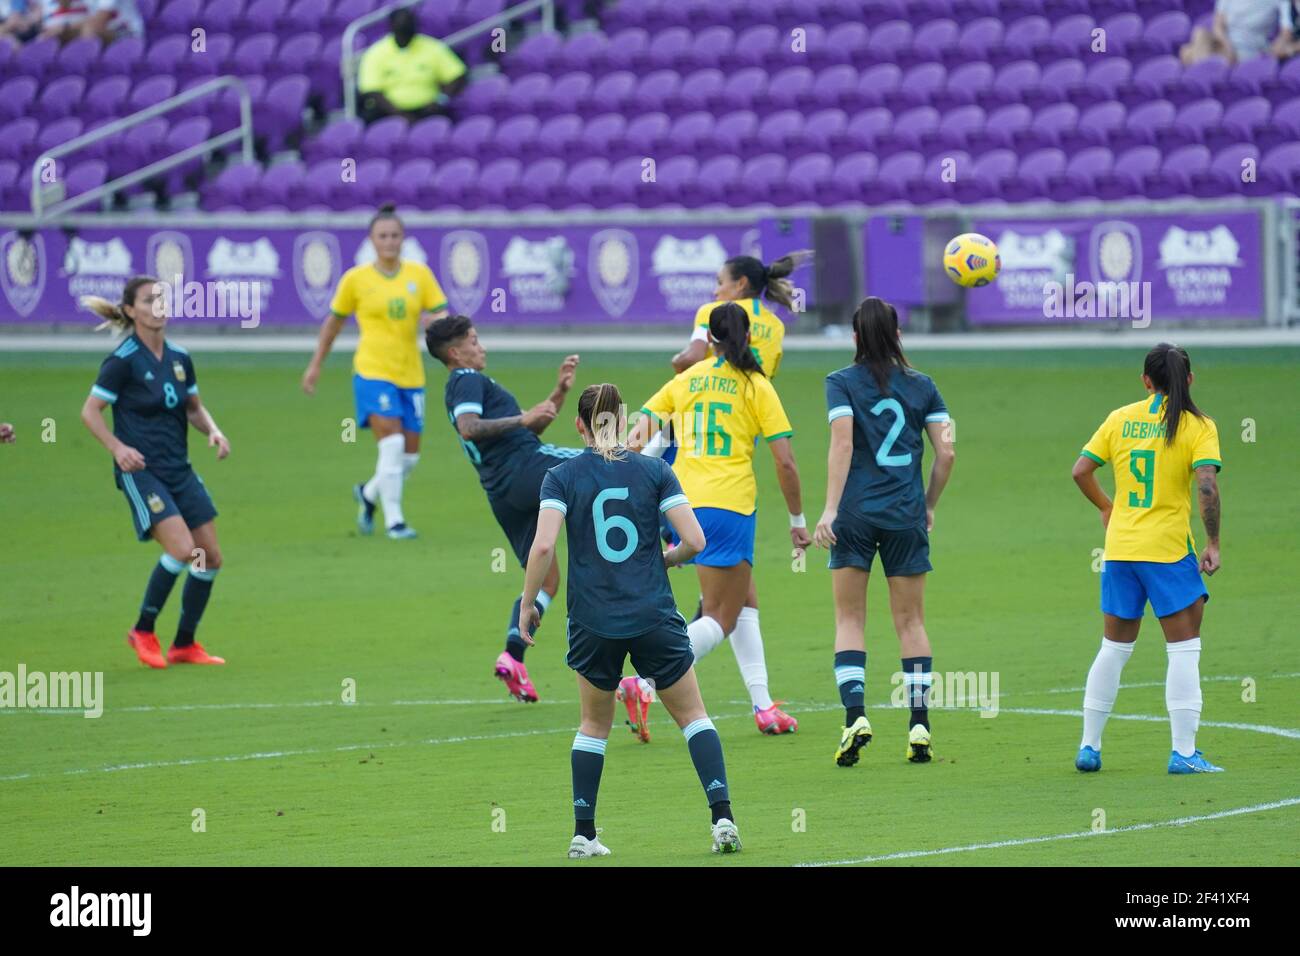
(1134, 429)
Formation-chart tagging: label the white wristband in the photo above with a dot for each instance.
(798, 521)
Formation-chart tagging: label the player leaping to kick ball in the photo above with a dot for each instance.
(501, 443)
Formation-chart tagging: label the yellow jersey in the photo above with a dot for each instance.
(766, 331)
(388, 314)
(410, 77)
(717, 414)
(1151, 516)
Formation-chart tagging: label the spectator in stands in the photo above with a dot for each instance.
(20, 20)
(407, 73)
(106, 19)
(1287, 42)
(1240, 31)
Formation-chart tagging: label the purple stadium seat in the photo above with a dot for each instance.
(1150, 80)
(1286, 84)
(304, 16)
(142, 145)
(864, 128)
(1240, 122)
(669, 50)
(1050, 125)
(427, 139)
(1191, 124)
(887, 41)
(1174, 178)
(83, 177)
(13, 187)
(1165, 33)
(911, 129)
(756, 45)
(539, 52)
(1282, 127)
(1097, 124)
(78, 57)
(1013, 80)
(560, 136)
(780, 131)
(710, 47)
(344, 12)
(536, 182)
(806, 48)
(938, 180)
(672, 180)
(298, 54)
(280, 111)
(918, 86)
(1121, 31)
(107, 98)
(896, 172)
(1059, 81)
(837, 86)
(621, 185)
(1071, 36)
(325, 74)
(985, 180)
(958, 125)
(166, 55)
(934, 40)
(823, 129)
(1102, 82)
(18, 138)
(384, 137)
(735, 132)
(611, 93)
(1032, 175)
(1002, 127)
(701, 89)
(61, 97)
(320, 183)
(339, 138)
(1144, 124)
(645, 134)
(1249, 78)
(791, 87)
(593, 51)
(219, 16)
(151, 91)
(656, 91)
(470, 137)
(279, 185)
(217, 53)
(179, 17)
(410, 182)
(759, 175)
(967, 84)
(806, 181)
(254, 54)
(370, 188)
(582, 180)
(1279, 169)
(851, 177)
(877, 83)
(483, 95)
(601, 133)
(182, 136)
(566, 94)
(689, 132)
(527, 94)
(56, 133)
(978, 37)
(225, 109)
(36, 58)
(233, 186)
(844, 43)
(265, 16)
(1224, 175)
(1080, 175)
(743, 89)
(1022, 39)
(517, 136)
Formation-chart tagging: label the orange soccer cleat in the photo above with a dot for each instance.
(145, 645)
(191, 654)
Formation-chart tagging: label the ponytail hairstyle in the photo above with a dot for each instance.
(729, 329)
(115, 316)
(603, 405)
(769, 281)
(387, 211)
(1168, 367)
(876, 326)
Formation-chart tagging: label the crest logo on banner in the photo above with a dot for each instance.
(686, 270)
(23, 272)
(1050, 250)
(1215, 247)
(97, 268)
(612, 264)
(463, 270)
(1116, 252)
(170, 256)
(254, 262)
(411, 251)
(539, 272)
(317, 265)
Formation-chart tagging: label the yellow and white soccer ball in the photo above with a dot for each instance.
(971, 260)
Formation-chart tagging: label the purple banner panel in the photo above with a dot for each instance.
(1145, 268)
(591, 275)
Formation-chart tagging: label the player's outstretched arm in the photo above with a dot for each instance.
(549, 522)
(203, 422)
(941, 469)
(92, 416)
(787, 476)
(838, 460)
(1085, 477)
(329, 331)
(1207, 488)
(563, 382)
(689, 535)
(696, 351)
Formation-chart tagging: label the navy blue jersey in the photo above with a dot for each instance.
(148, 398)
(884, 483)
(618, 586)
(495, 459)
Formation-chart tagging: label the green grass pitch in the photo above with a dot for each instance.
(434, 765)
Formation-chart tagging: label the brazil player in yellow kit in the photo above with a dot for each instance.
(719, 407)
(1158, 447)
(394, 301)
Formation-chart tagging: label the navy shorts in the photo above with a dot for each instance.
(376, 397)
(516, 509)
(1126, 586)
(662, 656)
(902, 551)
(152, 500)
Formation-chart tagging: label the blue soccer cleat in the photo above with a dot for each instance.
(1088, 761)
(365, 510)
(400, 532)
(1196, 763)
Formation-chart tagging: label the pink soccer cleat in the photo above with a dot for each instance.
(515, 676)
(775, 721)
(637, 702)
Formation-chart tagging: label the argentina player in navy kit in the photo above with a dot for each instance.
(880, 411)
(501, 443)
(151, 385)
(620, 603)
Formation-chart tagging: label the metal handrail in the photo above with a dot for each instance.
(348, 57)
(244, 133)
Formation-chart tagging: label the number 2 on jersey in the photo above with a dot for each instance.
(607, 523)
(883, 457)
(1146, 475)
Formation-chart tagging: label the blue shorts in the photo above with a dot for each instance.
(151, 500)
(903, 552)
(728, 535)
(662, 655)
(376, 397)
(1127, 586)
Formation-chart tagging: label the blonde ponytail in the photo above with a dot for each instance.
(603, 405)
(115, 316)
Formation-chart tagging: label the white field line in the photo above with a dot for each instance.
(1077, 835)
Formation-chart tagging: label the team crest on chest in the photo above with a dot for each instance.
(179, 371)
(156, 504)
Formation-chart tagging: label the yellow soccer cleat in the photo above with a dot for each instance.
(852, 740)
(918, 744)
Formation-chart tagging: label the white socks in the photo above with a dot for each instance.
(388, 477)
(1183, 693)
(747, 644)
(705, 634)
(1102, 687)
(409, 461)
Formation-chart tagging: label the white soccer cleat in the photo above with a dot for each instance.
(580, 848)
(726, 838)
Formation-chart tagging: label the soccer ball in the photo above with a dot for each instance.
(971, 260)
